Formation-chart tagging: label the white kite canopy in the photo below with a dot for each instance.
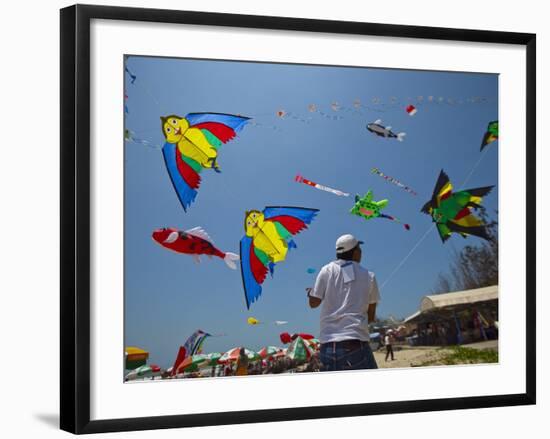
(438, 301)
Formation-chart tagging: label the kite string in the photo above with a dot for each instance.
(407, 256)
(142, 84)
(474, 168)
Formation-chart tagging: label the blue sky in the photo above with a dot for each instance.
(168, 296)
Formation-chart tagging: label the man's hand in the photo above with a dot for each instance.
(314, 302)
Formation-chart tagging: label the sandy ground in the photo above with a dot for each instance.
(407, 356)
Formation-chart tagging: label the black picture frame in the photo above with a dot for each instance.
(75, 217)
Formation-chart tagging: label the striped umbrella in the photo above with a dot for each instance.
(192, 363)
(268, 351)
(212, 359)
(280, 354)
(141, 371)
(233, 355)
(314, 343)
(299, 350)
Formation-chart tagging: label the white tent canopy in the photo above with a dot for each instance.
(441, 301)
(438, 301)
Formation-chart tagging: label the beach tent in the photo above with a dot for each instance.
(452, 300)
(441, 306)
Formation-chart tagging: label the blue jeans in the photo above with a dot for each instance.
(340, 355)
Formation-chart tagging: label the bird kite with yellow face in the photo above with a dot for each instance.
(192, 143)
(268, 236)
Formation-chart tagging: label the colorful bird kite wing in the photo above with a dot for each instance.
(292, 219)
(206, 133)
(183, 172)
(289, 221)
(214, 128)
(232, 121)
(253, 271)
(444, 231)
(443, 189)
(477, 194)
(479, 230)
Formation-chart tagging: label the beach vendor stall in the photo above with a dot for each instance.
(135, 357)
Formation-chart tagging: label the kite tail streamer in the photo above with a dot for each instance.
(392, 218)
(393, 180)
(300, 179)
(282, 114)
(262, 125)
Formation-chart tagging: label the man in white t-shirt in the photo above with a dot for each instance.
(348, 294)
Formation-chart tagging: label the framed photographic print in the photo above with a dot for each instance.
(258, 209)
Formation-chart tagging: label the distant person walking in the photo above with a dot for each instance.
(348, 294)
(388, 341)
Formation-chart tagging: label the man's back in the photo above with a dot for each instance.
(346, 290)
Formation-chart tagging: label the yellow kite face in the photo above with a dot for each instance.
(173, 128)
(253, 222)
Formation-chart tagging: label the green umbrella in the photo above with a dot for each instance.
(192, 363)
(268, 351)
(141, 371)
(233, 355)
(211, 359)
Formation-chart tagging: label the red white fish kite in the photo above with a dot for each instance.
(193, 242)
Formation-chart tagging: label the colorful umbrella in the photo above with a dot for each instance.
(192, 363)
(268, 351)
(299, 350)
(141, 371)
(233, 355)
(212, 359)
(314, 343)
(155, 370)
(280, 354)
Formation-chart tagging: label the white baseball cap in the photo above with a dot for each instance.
(346, 242)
